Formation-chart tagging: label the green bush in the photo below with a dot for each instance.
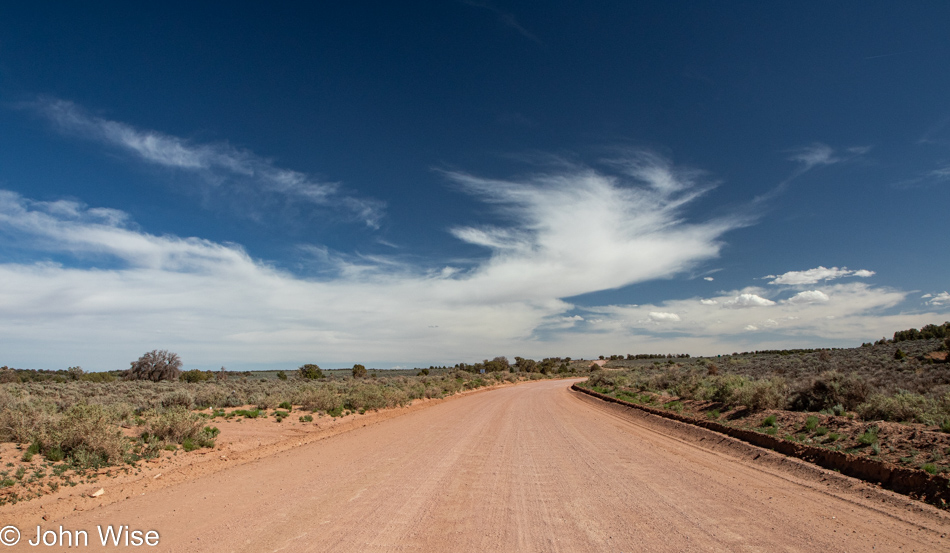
(194, 376)
(869, 436)
(309, 372)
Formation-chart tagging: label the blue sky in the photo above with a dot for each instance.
(402, 184)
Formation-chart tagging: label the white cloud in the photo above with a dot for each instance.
(588, 230)
(818, 274)
(751, 327)
(854, 313)
(231, 174)
(664, 317)
(708, 279)
(747, 300)
(809, 296)
(816, 154)
(943, 298)
(215, 304)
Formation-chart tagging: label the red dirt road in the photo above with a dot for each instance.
(533, 467)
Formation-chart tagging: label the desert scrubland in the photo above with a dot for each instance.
(511, 459)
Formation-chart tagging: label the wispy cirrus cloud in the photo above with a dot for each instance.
(224, 169)
(506, 18)
(577, 229)
(814, 155)
(809, 157)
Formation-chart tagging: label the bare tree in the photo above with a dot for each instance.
(156, 365)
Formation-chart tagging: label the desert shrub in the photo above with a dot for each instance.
(829, 389)
(269, 401)
(233, 400)
(319, 399)
(174, 424)
(156, 365)
(210, 396)
(396, 397)
(359, 371)
(365, 397)
(180, 398)
(87, 434)
(723, 388)
(451, 386)
(903, 406)
(767, 393)
(22, 421)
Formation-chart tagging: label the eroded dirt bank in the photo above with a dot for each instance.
(533, 467)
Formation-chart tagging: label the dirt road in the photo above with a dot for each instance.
(533, 467)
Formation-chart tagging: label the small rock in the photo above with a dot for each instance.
(97, 493)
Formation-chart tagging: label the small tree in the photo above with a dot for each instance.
(222, 374)
(281, 375)
(75, 373)
(359, 371)
(309, 372)
(156, 365)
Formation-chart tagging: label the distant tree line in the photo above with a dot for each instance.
(548, 365)
(928, 332)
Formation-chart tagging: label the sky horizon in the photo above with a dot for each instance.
(447, 181)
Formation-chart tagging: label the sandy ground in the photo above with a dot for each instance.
(533, 467)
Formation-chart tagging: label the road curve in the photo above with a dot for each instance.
(533, 467)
